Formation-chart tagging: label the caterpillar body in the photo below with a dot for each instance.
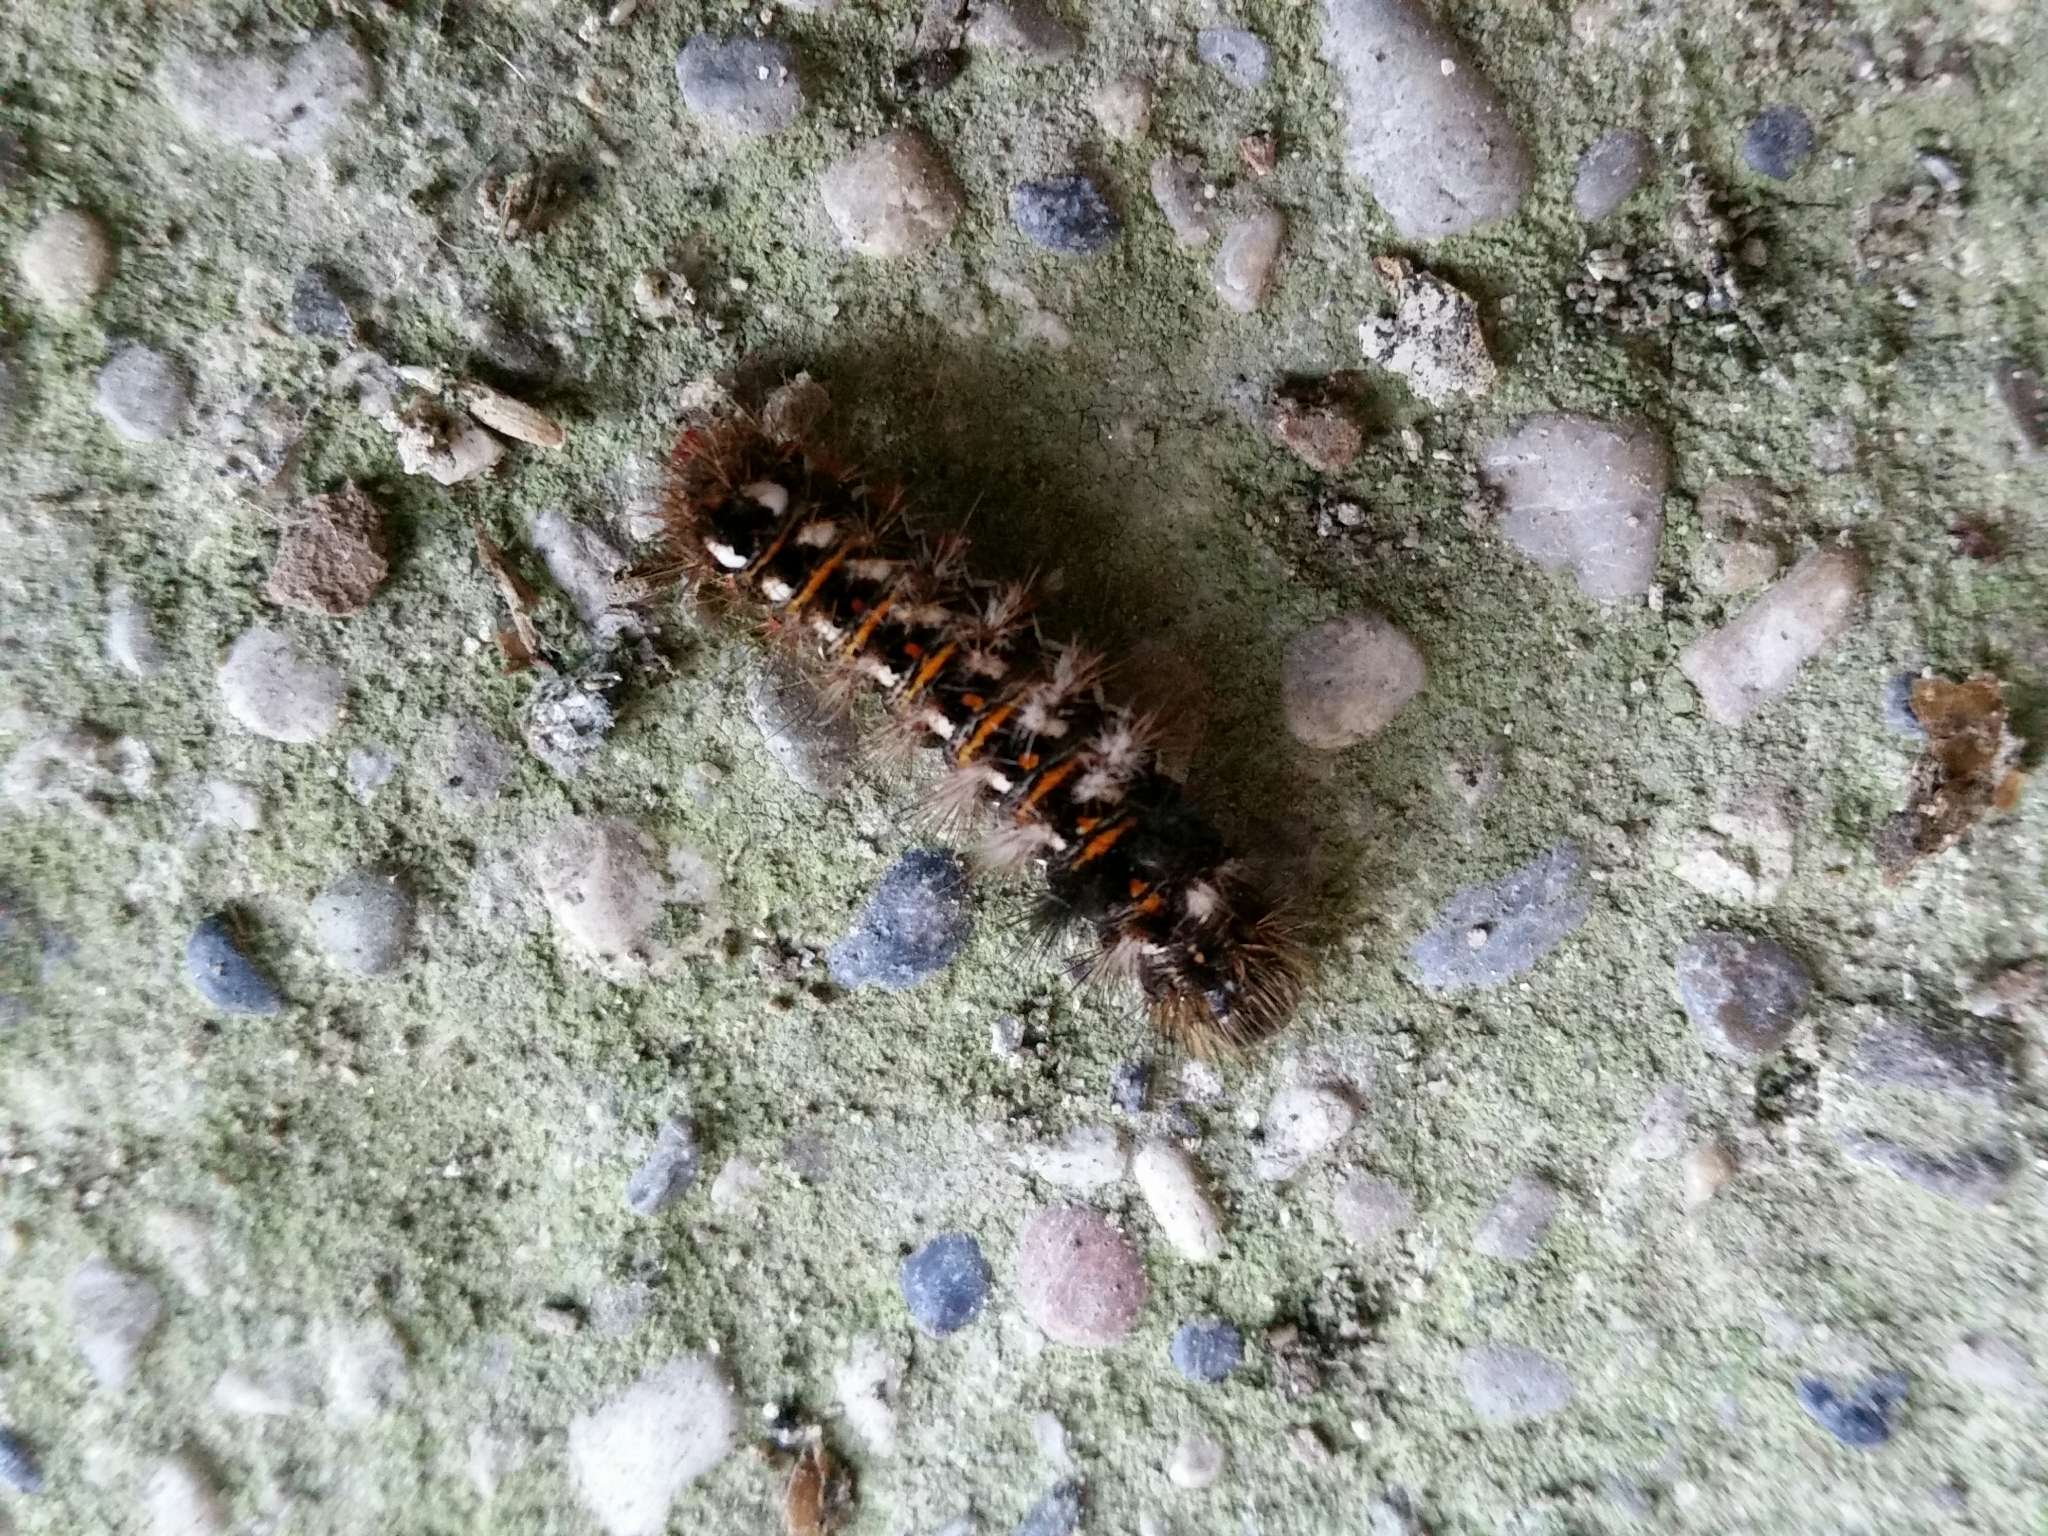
(1066, 780)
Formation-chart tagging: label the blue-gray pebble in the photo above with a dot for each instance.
(1066, 213)
(19, 1468)
(945, 1283)
(1239, 56)
(1779, 142)
(1515, 921)
(1898, 706)
(1206, 1350)
(1862, 1419)
(223, 975)
(1057, 1514)
(912, 927)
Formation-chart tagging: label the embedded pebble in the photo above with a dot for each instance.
(113, 1317)
(363, 920)
(1176, 183)
(366, 1369)
(945, 1283)
(1130, 1085)
(669, 1170)
(586, 565)
(270, 686)
(1861, 1419)
(1661, 1131)
(318, 307)
(1490, 934)
(1742, 994)
(1584, 495)
(1344, 680)
(332, 557)
(1990, 1362)
(917, 920)
(1369, 1210)
(1515, 1228)
(1707, 1169)
(1433, 338)
(1301, 1123)
(131, 641)
(181, 1498)
(82, 769)
(1123, 106)
(1066, 213)
(224, 975)
(1727, 567)
(275, 1390)
(1243, 269)
(1087, 1158)
(444, 445)
(1755, 657)
(894, 196)
(633, 1455)
(1058, 1513)
(1206, 1350)
(1078, 1278)
(1025, 27)
(1611, 168)
(1510, 1384)
(1323, 435)
(813, 743)
(1914, 1053)
(1977, 1177)
(280, 102)
(143, 394)
(369, 769)
(67, 260)
(1778, 142)
(1239, 56)
(1173, 1192)
(1423, 127)
(747, 86)
(736, 1184)
(865, 1387)
(20, 1469)
(600, 881)
(1196, 1463)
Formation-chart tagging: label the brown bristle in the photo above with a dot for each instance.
(1066, 781)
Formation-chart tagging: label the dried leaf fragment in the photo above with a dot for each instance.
(1969, 769)
(519, 640)
(818, 1498)
(512, 418)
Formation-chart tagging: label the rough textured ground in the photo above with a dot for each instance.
(414, 1184)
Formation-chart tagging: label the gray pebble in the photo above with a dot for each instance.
(286, 103)
(1176, 182)
(1239, 56)
(1899, 714)
(1206, 1350)
(1973, 1176)
(1779, 141)
(893, 196)
(223, 975)
(271, 686)
(474, 764)
(364, 921)
(369, 769)
(1612, 167)
(1024, 27)
(670, 1169)
(318, 308)
(1488, 934)
(113, 1317)
(813, 743)
(945, 1283)
(1130, 1084)
(1584, 495)
(1520, 1220)
(1913, 1053)
(144, 395)
(915, 923)
(1861, 1419)
(1509, 1384)
(67, 260)
(1067, 214)
(1369, 1210)
(1424, 128)
(1742, 994)
(19, 1468)
(745, 85)
(1058, 1513)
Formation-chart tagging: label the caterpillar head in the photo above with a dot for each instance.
(1225, 984)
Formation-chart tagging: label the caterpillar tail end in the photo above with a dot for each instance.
(1232, 992)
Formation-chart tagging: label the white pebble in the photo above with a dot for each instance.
(634, 1454)
(180, 1499)
(1123, 107)
(273, 688)
(1243, 270)
(1087, 1158)
(1754, 658)
(1708, 1167)
(366, 1370)
(735, 1185)
(1301, 1124)
(866, 1387)
(236, 807)
(600, 879)
(113, 1317)
(1197, 1463)
(67, 260)
(894, 196)
(1343, 681)
(130, 638)
(1172, 1188)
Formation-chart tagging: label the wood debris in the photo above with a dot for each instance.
(818, 1498)
(1970, 769)
(520, 639)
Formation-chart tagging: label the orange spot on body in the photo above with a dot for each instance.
(820, 576)
(858, 640)
(1046, 783)
(987, 727)
(1102, 842)
(933, 666)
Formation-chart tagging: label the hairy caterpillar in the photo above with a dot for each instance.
(820, 559)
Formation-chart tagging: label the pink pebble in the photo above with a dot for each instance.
(1080, 1279)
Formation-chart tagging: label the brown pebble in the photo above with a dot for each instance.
(332, 557)
(1323, 435)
